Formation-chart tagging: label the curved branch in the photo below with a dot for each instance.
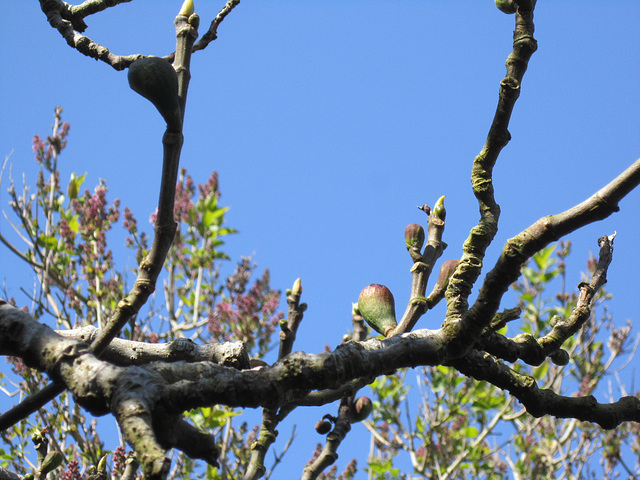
(539, 402)
(481, 235)
(546, 230)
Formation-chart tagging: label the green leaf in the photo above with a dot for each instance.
(543, 257)
(541, 370)
(471, 432)
(47, 241)
(74, 225)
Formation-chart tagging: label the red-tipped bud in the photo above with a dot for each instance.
(362, 409)
(377, 306)
(446, 270)
(323, 427)
(414, 236)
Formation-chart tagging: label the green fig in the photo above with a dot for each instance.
(155, 79)
(377, 306)
(560, 357)
(507, 6)
(414, 236)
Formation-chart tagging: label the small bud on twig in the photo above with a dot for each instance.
(187, 8)
(362, 409)
(439, 210)
(414, 236)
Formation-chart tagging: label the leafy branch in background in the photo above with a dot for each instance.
(174, 376)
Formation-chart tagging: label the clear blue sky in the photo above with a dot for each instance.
(330, 121)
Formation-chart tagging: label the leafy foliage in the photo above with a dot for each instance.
(66, 239)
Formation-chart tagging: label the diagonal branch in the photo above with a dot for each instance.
(481, 235)
(165, 228)
(546, 230)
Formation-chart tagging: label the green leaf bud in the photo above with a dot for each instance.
(52, 461)
(362, 409)
(297, 287)
(72, 187)
(414, 236)
(187, 8)
(377, 306)
(439, 210)
(155, 79)
(102, 464)
(507, 6)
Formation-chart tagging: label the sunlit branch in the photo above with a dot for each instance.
(481, 235)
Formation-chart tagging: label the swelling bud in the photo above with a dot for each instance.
(362, 409)
(377, 307)
(446, 270)
(507, 6)
(414, 236)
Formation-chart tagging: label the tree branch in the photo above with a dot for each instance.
(546, 230)
(481, 235)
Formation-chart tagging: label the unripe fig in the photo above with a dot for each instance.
(323, 427)
(507, 6)
(377, 306)
(155, 79)
(362, 409)
(560, 357)
(446, 270)
(414, 236)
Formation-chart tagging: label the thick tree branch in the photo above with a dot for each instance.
(165, 227)
(546, 230)
(421, 271)
(123, 352)
(481, 235)
(539, 402)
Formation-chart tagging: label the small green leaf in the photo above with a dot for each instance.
(471, 432)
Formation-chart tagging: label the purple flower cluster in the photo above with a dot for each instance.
(250, 317)
(72, 472)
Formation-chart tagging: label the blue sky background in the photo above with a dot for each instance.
(330, 121)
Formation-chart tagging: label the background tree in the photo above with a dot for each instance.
(49, 244)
